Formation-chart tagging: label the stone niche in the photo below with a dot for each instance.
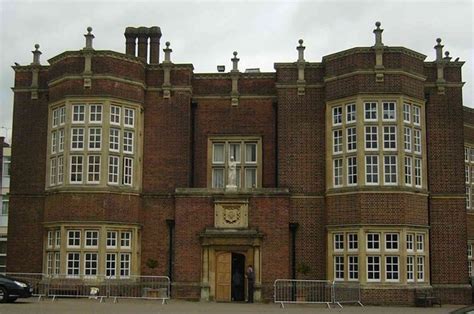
(231, 213)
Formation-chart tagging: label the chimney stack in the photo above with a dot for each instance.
(143, 34)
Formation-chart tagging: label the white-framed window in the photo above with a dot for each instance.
(61, 140)
(472, 173)
(111, 239)
(128, 142)
(95, 138)
(337, 141)
(60, 170)
(111, 265)
(115, 115)
(57, 263)
(389, 111)
(338, 242)
(49, 263)
(50, 239)
(114, 140)
(338, 267)
(418, 172)
(127, 171)
(73, 238)
(55, 120)
(468, 197)
(417, 141)
(353, 267)
(410, 241)
(371, 138)
(370, 111)
(6, 166)
(373, 241)
(62, 115)
(73, 263)
(4, 212)
(391, 241)
(234, 152)
(351, 170)
(371, 169)
(77, 138)
(471, 155)
(408, 171)
(53, 171)
(416, 115)
(77, 163)
(90, 264)
(390, 169)
(125, 239)
(352, 241)
(337, 115)
(218, 178)
(466, 173)
(466, 154)
(92, 239)
(337, 167)
(54, 142)
(469, 250)
(420, 242)
(406, 113)
(469, 268)
(95, 113)
(114, 166)
(57, 239)
(251, 153)
(78, 113)
(351, 139)
(250, 178)
(350, 113)
(373, 268)
(420, 268)
(389, 137)
(129, 117)
(407, 139)
(391, 268)
(124, 265)
(410, 268)
(218, 153)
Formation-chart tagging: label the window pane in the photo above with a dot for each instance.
(251, 153)
(218, 153)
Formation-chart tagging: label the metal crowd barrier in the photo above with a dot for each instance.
(346, 292)
(315, 291)
(302, 291)
(97, 287)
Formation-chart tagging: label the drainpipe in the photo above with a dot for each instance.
(293, 228)
(275, 112)
(170, 224)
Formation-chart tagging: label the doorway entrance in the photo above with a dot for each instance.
(230, 277)
(238, 278)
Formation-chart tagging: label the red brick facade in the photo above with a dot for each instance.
(175, 189)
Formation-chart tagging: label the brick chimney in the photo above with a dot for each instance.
(130, 40)
(143, 34)
(155, 35)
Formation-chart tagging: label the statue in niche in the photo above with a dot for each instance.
(232, 172)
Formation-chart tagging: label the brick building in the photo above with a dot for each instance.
(348, 169)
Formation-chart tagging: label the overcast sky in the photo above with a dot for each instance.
(206, 33)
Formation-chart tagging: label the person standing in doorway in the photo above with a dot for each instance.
(250, 283)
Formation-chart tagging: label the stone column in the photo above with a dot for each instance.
(234, 75)
(205, 287)
(378, 47)
(257, 295)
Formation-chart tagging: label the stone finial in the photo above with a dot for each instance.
(89, 37)
(300, 49)
(378, 35)
(446, 56)
(439, 50)
(167, 52)
(235, 62)
(36, 55)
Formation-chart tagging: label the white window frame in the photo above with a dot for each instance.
(390, 169)
(420, 268)
(337, 172)
(352, 268)
(128, 139)
(351, 139)
(410, 271)
(72, 235)
(55, 118)
(410, 242)
(392, 268)
(406, 113)
(407, 139)
(114, 140)
(49, 263)
(60, 140)
(370, 109)
(418, 172)
(75, 270)
(338, 242)
(53, 172)
(466, 153)
(91, 259)
(93, 169)
(95, 139)
(392, 241)
(468, 197)
(129, 117)
(127, 171)
(252, 159)
(371, 176)
(339, 267)
(62, 115)
(352, 242)
(416, 115)
(57, 239)
(351, 170)
(95, 113)
(125, 239)
(78, 116)
(336, 115)
(111, 265)
(408, 171)
(60, 170)
(420, 242)
(417, 141)
(351, 113)
(373, 241)
(389, 114)
(371, 138)
(50, 241)
(91, 239)
(389, 137)
(113, 170)
(77, 139)
(112, 238)
(125, 263)
(76, 169)
(337, 141)
(373, 263)
(54, 142)
(115, 112)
